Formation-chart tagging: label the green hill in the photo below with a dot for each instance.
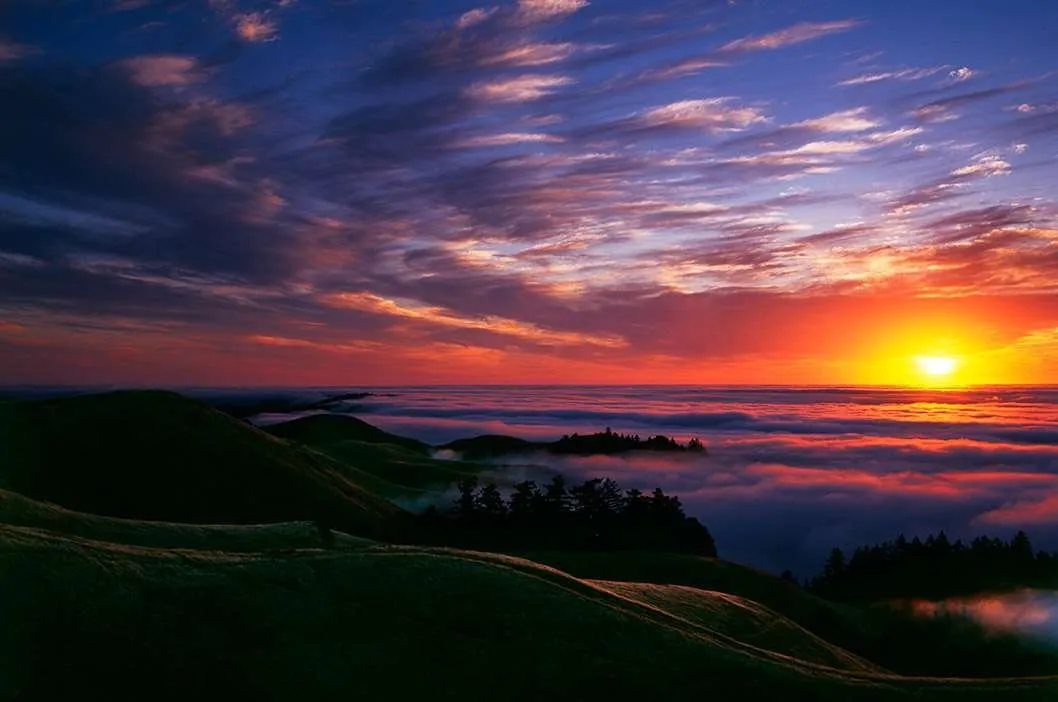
(323, 429)
(599, 443)
(203, 600)
(87, 619)
(395, 466)
(161, 456)
(491, 445)
(19, 511)
(908, 645)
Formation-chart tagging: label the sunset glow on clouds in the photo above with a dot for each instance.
(538, 191)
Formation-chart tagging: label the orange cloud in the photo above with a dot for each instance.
(164, 70)
(369, 302)
(1043, 511)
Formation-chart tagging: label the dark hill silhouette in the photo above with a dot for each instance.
(258, 404)
(601, 443)
(161, 456)
(489, 445)
(330, 428)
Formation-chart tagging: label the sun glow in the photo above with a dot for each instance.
(937, 366)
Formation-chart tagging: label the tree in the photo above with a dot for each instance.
(1021, 547)
(610, 496)
(834, 567)
(490, 502)
(555, 496)
(466, 504)
(524, 499)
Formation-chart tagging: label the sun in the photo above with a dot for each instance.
(937, 366)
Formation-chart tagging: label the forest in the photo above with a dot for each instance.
(595, 515)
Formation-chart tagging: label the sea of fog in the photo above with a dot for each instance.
(790, 472)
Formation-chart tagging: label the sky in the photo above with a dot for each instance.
(360, 192)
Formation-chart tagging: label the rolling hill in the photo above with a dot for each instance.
(161, 456)
(323, 429)
(133, 566)
(396, 466)
(386, 622)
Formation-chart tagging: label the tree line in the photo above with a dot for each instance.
(934, 567)
(609, 442)
(596, 514)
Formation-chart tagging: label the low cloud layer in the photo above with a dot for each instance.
(789, 474)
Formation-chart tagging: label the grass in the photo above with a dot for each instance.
(325, 429)
(909, 645)
(109, 606)
(384, 622)
(161, 456)
(19, 511)
(390, 465)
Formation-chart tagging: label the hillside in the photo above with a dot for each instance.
(19, 511)
(382, 622)
(600, 443)
(393, 466)
(323, 429)
(161, 456)
(903, 644)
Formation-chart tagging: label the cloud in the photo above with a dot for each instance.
(11, 51)
(518, 89)
(958, 75)
(1024, 513)
(854, 120)
(495, 168)
(828, 483)
(709, 114)
(164, 70)
(255, 27)
(797, 34)
(683, 68)
(543, 10)
(905, 74)
(475, 17)
(529, 54)
(943, 109)
(984, 165)
(508, 138)
(493, 324)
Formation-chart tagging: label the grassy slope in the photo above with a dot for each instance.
(19, 511)
(700, 572)
(908, 645)
(158, 455)
(396, 466)
(385, 623)
(322, 429)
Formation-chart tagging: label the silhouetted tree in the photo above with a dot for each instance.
(490, 502)
(524, 499)
(935, 567)
(593, 514)
(466, 504)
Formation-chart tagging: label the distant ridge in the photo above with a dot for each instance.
(328, 428)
